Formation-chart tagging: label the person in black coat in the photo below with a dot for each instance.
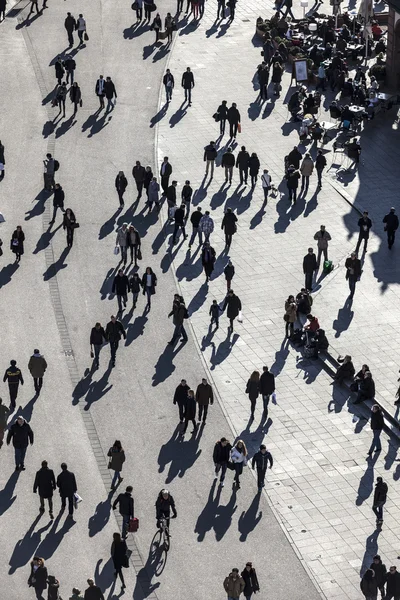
(208, 259)
(120, 287)
(294, 157)
(45, 482)
(190, 411)
(366, 388)
(353, 272)
(93, 592)
(233, 305)
(119, 557)
(169, 82)
(67, 487)
(222, 111)
(164, 505)
(17, 243)
(21, 435)
(121, 184)
(392, 584)
(114, 330)
(38, 577)
(229, 226)
(69, 224)
(179, 217)
(165, 174)
(310, 266)
(58, 201)
(233, 116)
(59, 68)
(377, 424)
(97, 339)
(267, 387)
(249, 577)
(380, 497)
(125, 503)
(110, 92)
(134, 286)
(254, 167)
(260, 462)
(229, 273)
(391, 221)
(70, 25)
(221, 456)
(380, 573)
(149, 283)
(253, 390)
(228, 162)
(180, 397)
(188, 84)
(75, 96)
(365, 225)
(242, 163)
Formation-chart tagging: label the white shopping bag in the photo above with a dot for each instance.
(273, 398)
(77, 499)
(240, 317)
(116, 250)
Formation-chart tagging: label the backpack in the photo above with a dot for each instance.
(56, 165)
(328, 266)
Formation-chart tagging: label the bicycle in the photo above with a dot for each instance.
(164, 531)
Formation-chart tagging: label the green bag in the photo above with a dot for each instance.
(328, 266)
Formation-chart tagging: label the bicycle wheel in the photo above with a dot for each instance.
(166, 539)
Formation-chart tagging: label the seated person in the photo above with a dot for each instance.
(294, 105)
(321, 340)
(359, 96)
(374, 85)
(308, 104)
(345, 33)
(312, 324)
(353, 150)
(380, 47)
(360, 76)
(334, 110)
(317, 132)
(376, 30)
(372, 104)
(347, 115)
(348, 89)
(341, 44)
(304, 302)
(289, 33)
(366, 388)
(345, 371)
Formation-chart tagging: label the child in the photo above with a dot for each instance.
(214, 312)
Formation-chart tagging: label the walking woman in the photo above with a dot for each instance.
(290, 315)
(208, 260)
(147, 10)
(119, 557)
(156, 25)
(69, 224)
(253, 390)
(75, 96)
(133, 240)
(249, 577)
(277, 78)
(61, 95)
(117, 459)
(254, 167)
(38, 577)
(170, 26)
(149, 282)
(17, 243)
(239, 458)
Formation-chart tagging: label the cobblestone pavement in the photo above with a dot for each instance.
(321, 486)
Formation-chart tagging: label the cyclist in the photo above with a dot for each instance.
(164, 504)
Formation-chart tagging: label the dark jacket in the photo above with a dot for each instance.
(188, 80)
(393, 584)
(267, 383)
(261, 460)
(377, 422)
(250, 582)
(139, 173)
(208, 256)
(242, 159)
(20, 238)
(171, 195)
(292, 179)
(59, 197)
(13, 375)
(134, 284)
(114, 331)
(229, 223)
(253, 389)
(118, 554)
(222, 110)
(66, 484)
(228, 160)
(45, 482)
(93, 593)
(75, 94)
(164, 506)
(169, 78)
(355, 266)
(186, 193)
(309, 263)
(38, 578)
(392, 221)
(97, 87)
(97, 336)
(233, 305)
(380, 572)
(229, 272)
(2, 158)
(380, 494)
(120, 285)
(367, 388)
(121, 183)
(69, 221)
(294, 158)
(153, 283)
(364, 225)
(210, 152)
(109, 89)
(320, 162)
(20, 435)
(167, 169)
(69, 64)
(70, 23)
(59, 69)
(195, 218)
(233, 115)
(221, 454)
(181, 394)
(204, 394)
(179, 216)
(254, 165)
(125, 504)
(369, 587)
(190, 407)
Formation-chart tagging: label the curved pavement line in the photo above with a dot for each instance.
(206, 365)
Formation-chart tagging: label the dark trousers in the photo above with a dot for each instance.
(228, 239)
(13, 389)
(391, 234)
(179, 6)
(179, 331)
(139, 13)
(319, 173)
(19, 454)
(253, 402)
(70, 38)
(139, 187)
(134, 251)
(38, 382)
(177, 226)
(70, 236)
(362, 237)
(186, 424)
(121, 298)
(101, 100)
(265, 398)
(203, 410)
(305, 180)
(147, 13)
(70, 503)
(164, 183)
(261, 477)
(292, 194)
(221, 467)
(378, 510)
(243, 174)
(222, 126)
(118, 569)
(352, 285)
(113, 349)
(308, 283)
(55, 208)
(70, 74)
(253, 180)
(121, 197)
(50, 501)
(96, 351)
(80, 35)
(188, 95)
(39, 593)
(233, 127)
(34, 5)
(181, 408)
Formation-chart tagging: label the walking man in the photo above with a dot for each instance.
(210, 154)
(228, 225)
(195, 221)
(320, 164)
(45, 482)
(97, 339)
(179, 217)
(4, 412)
(229, 273)
(392, 584)
(206, 225)
(81, 27)
(233, 116)
(70, 66)
(165, 174)
(376, 426)
(267, 388)
(121, 183)
(309, 268)
(139, 175)
(114, 330)
(70, 26)
(180, 313)
(242, 163)
(100, 90)
(260, 461)
(58, 201)
(380, 496)
(292, 182)
(169, 82)
(37, 366)
(67, 487)
(126, 509)
(228, 162)
(222, 110)
(353, 272)
(365, 225)
(234, 585)
(180, 396)
(13, 377)
(122, 242)
(111, 93)
(188, 85)
(204, 397)
(322, 237)
(120, 287)
(49, 170)
(391, 221)
(221, 457)
(93, 592)
(21, 435)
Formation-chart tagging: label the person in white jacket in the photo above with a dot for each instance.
(238, 458)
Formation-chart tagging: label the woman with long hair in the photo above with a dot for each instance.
(253, 390)
(149, 282)
(238, 458)
(119, 557)
(38, 577)
(117, 458)
(17, 243)
(69, 224)
(290, 315)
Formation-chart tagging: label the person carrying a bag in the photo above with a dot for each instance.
(119, 557)
(81, 29)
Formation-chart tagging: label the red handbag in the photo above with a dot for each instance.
(133, 525)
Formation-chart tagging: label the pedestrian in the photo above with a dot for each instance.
(179, 217)
(4, 413)
(353, 272)
(75, 96)
(249, 577)
(76, 594)
(114, 330)
(380, 497)
(254, 167)
(3, 5)
(323, 238)
(260, 462)
(277, 72)
(17, 243)
(320, 164)
(204, 397)
(377, 424)
(210, 154)
(170, 26)
(37, 366)
(67, 487)
(134, 243)
(190, 412)
(229, 273)
(380, 573)
(292, 182)
(139, 10)
(310, 267)
(61, 95)
(227, 163)
(134, 287)
(13, 377)
(180, 396)
(233, 305)
(93, 592)
(111, 94)
(70, 26)
(121, 242)
(294, 157)
(180, 314)
(233, 116)
(125, 505)
(116, 456)
(208, 260)
(148, 176)
(392, 584)
(119, 557)
(391, 221)
(120, 287)
(69, 224)
(81, 27)
(290, 315)
(45, 483)
(195, 221)
(206, 226)
(97, 340)
(153, 194)
(121, 183)
(59, 69)
(263, 80)
(228, 225)
(53, 589)
(253, 390)
(186, 196)
(188, 84)
(169, 82)
(238, 458)
(234, 584)
(139, 174)
(365, 224)
(149, 283)
(222, 110)
(267, 388)
(369, 586)
(156, 24)
(165, 173)
(100, 90)
(232, 6)
(221, 456)
(306, 170)
(58, 201)
(266, 183)
(70, 66)
(38, 577)
(164, 504)
(2, 158)
(321, 77)
(242, 163)
(214, 313)
(21, 435)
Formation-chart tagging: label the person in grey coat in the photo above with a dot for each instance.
(153, 194)
(323, 238)
(37, 366)
(122, 242)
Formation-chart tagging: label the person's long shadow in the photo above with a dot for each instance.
(213, 29)
(311, 205)
(134, 30)
(98, 389)
(101, 516)
(249, 519)
(161, 53)
(223, 29)
(105, 578)
(108, 226)
(339, 399)
(258, 217)
(180, 454)
(25, 548)
(178, 115)
(344, 317)
(154, 566)
(207, 339)
(190, 269)
(198, 300)
(7, 498)
(7, 272)
(82, 387)
(223, 518)
(27, 411)
(200, 193)
(366, 484)
(96, 123)
(391, 454)
(53, 539)
(280, 358)
(205, 520)
(106, 286)
(254, 110)
(39, 207)
(56, 266)
(136, 329)
(219, 198)
(283, 207)
(48, 129)
(164, 366)
(66, 126)
(224, 349)
(371, 550)
(160, 115)
(311, 369)
(45, 239)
